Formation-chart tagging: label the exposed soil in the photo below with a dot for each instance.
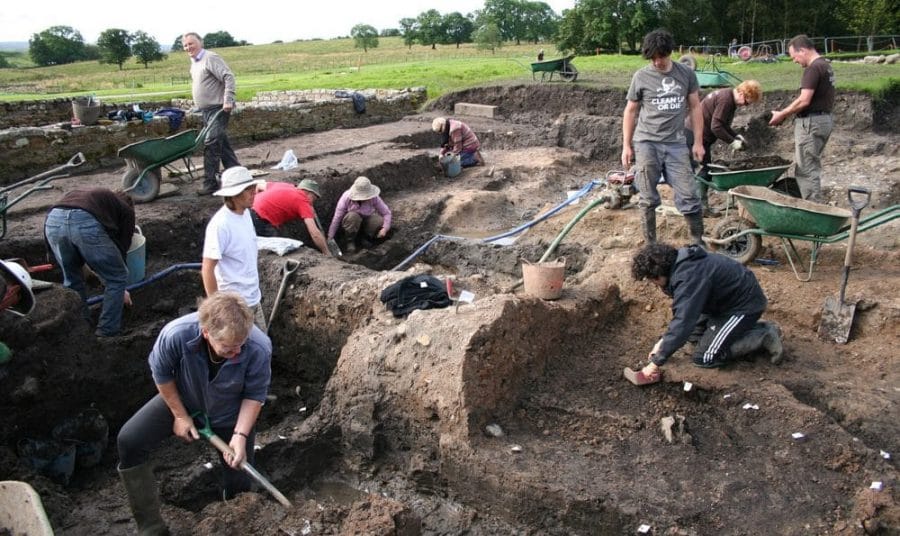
(379, 425)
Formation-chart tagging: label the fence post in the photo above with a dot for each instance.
(870, 43)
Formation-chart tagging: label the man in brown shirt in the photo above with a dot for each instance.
(814, 122)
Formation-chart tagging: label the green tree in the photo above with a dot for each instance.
(409, 29)
(431, 28)
(488, 37)
(56, 45)
(364, 36)
(539, 22)
(457, 28)
(115, 46)
(508, 15)
(389, 32)
(177, 45)
(146, 49)
(870, 17)
(220, 40)
(606, 24)
(4, 63)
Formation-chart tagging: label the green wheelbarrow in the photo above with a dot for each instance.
(789, 219)
(710, 75)
(563, 66)
(145, 160)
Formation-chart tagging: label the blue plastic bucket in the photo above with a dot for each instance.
(451, 164)
(136, 259)
(54, 459)
(89, 432)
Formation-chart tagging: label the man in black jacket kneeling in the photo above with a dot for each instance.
(714, 298)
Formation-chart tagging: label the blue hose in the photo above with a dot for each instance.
(578, 195)
(152, 279)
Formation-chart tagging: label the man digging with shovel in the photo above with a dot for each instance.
(714, 298)
(214, 362)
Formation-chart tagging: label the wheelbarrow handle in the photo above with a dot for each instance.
(860, 200)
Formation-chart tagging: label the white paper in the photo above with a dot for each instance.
(877, 485)
(466, 297)
(797, 435)
(688, 386)
(886, 455)
(644, 529)
(423, 284)
(750, 406)
(208, 465)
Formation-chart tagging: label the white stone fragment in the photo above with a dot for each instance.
(798, 435)
(750, 406)
(208, 465)
(515, 448)
(688, 386)
(885, 454)
(644, 529)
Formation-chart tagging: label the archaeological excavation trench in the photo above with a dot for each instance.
(508, 415)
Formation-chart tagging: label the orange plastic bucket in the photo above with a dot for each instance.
(544, 280)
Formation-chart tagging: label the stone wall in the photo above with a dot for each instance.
(28, 150)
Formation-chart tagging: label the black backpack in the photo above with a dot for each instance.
(415, 292)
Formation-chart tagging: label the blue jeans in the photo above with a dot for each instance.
(76, 239)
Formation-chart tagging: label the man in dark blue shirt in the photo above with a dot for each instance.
(215, 362)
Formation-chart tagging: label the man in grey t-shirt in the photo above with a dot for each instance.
(653, 133)
(213, 89)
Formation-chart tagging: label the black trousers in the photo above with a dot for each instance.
(216, 147)
(152, 424)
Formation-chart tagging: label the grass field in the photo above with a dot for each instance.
(336, 64)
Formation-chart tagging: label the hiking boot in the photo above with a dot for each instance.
(773, 343)
(207, 189)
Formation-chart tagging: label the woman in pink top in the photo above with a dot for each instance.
(360, 207)
(458, 138)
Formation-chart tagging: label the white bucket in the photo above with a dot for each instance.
(136, 259)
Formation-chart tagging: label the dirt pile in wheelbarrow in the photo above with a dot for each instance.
(381, 425)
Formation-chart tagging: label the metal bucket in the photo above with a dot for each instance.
(451, 164)
(544, 279)
(89, 432)
(85, 111)
(136, 259)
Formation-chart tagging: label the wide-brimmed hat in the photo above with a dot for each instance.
(310, 186)
(235, 180)
(14, 274)
(363, 189)
(438, 124)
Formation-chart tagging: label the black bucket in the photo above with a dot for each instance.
(89, 432)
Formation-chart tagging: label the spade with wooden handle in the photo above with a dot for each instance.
(837, 315)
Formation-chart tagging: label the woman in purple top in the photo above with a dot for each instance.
(360, 207)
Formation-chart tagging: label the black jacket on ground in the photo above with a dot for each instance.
(710, 284)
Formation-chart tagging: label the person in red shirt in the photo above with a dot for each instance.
(277, 203)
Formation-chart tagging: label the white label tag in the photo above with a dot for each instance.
(466, 297)
(423, 284)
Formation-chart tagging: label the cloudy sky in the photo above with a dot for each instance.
(258, 21)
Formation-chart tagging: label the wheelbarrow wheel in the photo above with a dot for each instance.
(743, 249)
(569, 73)
(688, 60)
(146, 190)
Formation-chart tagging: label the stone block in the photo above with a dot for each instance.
(478, 110)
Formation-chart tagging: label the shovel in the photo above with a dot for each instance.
(223, 447)
(837, 316)
(290, 266)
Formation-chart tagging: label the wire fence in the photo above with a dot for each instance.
(779, 47)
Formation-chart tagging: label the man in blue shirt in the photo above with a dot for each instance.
(214, 362)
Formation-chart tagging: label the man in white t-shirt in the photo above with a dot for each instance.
(229, 249)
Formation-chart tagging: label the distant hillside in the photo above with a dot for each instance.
(14, 46)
